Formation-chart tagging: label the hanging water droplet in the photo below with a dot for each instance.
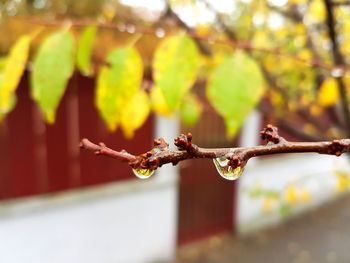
(130, 29)
(143, 173)
(337, 72)
(227, 171)
(211, 40)
(121, 27)
(160, 32)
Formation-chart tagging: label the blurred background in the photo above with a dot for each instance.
(58, 204)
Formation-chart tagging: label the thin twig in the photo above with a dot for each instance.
(338, 60)
(235, 43)
(238, 157)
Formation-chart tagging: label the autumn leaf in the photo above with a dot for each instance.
(158, 102)
(328, 94)
(84, 49)
(191, 109)
(291, 195)
(175, 67)
(52, 67)
(118, 83)
(234, 88)
(12, 71)
(135, 113)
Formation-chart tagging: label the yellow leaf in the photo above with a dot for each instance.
(267, 204)
(117, 84)
(13, 71)
(317, 11)
(315, 110)
(291, 195)
(309, 128)
(296, 2)
(328, 94)
(343, 182)
(135, 113)
(305, 196)
(159, 104)
(175, 64)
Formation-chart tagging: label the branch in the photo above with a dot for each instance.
(238, 157)
(210, 38)
(340, 3)
(338, 60)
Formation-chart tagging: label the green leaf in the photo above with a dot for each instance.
(12, 71)
(175, 67)
(84, 50)
(191, 110)
(52, 68)
(284, 210)
(118, 83)
(234, 89)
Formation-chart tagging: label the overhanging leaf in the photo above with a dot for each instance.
(118, 83)
(12, 71)
(191, 109)
(234, 88)
(84, 49)
(158, 103)
(135, 113)
(328, 94)
(175, 66)
(52, 68)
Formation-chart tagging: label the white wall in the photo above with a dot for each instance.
(314, 173)
(132, 221)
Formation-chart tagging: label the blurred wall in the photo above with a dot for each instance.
(275, 188)
(128, 221)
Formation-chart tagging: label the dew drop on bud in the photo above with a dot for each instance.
(130, 29)
(160, 32)
(337, 72)
(143, 173)
(121, 27)
(227, 171)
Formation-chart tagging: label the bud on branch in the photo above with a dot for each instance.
(160, 154)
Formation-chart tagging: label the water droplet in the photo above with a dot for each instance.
(227, 171)
(121, 27)
(337, 72)
(211, 40)
(160, 32)
(143, 173)
(130, 29)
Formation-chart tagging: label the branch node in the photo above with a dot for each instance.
(270, 134)
(235, 161)
(184, 142)
(337, 147)
(160, 143)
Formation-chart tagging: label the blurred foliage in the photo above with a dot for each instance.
(242, 52)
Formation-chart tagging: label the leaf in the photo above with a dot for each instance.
(234, 89)
(291, 195)
(84, 49)
(191, 110)
(12, 71)
(118, 83)
(284, 210)
(135, 113)
(328, 94)
(158, 103)
(52, 68)
(316, 11)
(267, 204)
(175, 67)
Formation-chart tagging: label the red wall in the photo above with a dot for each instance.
(36, 158)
